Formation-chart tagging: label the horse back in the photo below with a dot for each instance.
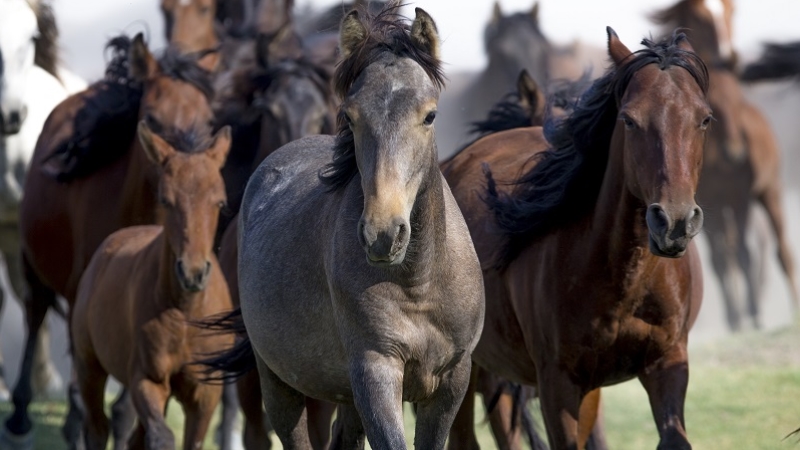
(508, 154)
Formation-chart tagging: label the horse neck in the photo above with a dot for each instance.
(138, 201)
(427, 240)
(615, 230)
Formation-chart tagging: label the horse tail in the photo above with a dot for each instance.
(778, 61)
(227, 366)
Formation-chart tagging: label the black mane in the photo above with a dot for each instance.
(387, 32)
(46, 44)
(566, 179)
(778, 61)
(105, 125)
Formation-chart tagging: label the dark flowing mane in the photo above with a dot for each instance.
(106, 124)
(566, 180)
(777, 62)
(387, 32)
(184, 67)
(46, 55)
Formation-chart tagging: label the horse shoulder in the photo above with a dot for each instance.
(508, 154)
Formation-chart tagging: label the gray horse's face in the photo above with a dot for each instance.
(516, 42)
(391, 110)
(18, 29)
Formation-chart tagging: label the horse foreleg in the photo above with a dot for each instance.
(721, 240)
(771, 199)
(199, 409)
(377, 383)
(38, 300)
(462, 433)
(286, 409)
(503, 408)
(561, 400)
(435, 415)
(123, 418)
(150, 400)
(348, 431)
(666, 383)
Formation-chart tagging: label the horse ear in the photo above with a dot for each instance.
(221, 146)
(142, 63)
(352, 33)
(535, 12)
(530, 96)
(424, 33)
(156, 148)
(616, 49)
(497, 13)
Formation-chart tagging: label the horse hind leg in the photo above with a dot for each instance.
(199, 409)
(230, 405)
(320, 414)
(286, 409)
(255, 433)
(771, 200)
(504, 407)
(462, 433)
(721, 239)
(348, 431)
(16, 433)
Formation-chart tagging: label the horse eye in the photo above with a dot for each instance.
(629, 124)
(163, 201)
(430, 118)
(706, 122)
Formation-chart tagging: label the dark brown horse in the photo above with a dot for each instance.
(89, 177)
(591, 277)
(741, 164)
(388, 310)
(171, 278)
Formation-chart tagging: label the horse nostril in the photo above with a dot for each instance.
(657, 219)
(401, 232)
(695, 221)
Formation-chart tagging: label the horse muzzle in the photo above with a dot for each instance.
(385, 245)
(193, 280)
(11, 123)
(672, 231)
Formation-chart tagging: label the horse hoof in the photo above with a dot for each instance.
(11, 441)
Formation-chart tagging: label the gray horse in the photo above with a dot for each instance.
(324, 320)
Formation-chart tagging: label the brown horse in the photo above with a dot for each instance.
(591, 277)
(89, 177)
(190, 27)
(741, 163)
(171, 278)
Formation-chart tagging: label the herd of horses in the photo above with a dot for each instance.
(259, 215)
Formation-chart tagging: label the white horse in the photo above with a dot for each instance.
(30, 87)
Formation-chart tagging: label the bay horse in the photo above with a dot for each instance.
(89, 177)
(741, 163)
(398, 321)
(172, 279)
(29, 89)
(590, 272)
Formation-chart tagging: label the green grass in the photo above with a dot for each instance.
(744, 392)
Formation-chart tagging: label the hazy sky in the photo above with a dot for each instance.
(86, 24)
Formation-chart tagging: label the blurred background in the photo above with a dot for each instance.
(86, 25)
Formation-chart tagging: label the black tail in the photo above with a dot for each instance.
(779, 61)
(231, 364)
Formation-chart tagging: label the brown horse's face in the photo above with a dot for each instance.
(190, 23)
(170, 102)
(191, 191)
(391, 110)
(663, 117)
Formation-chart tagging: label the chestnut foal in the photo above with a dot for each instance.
(143, 288)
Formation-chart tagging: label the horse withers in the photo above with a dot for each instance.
(141, 291)
(359, 284)
(590, 271)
